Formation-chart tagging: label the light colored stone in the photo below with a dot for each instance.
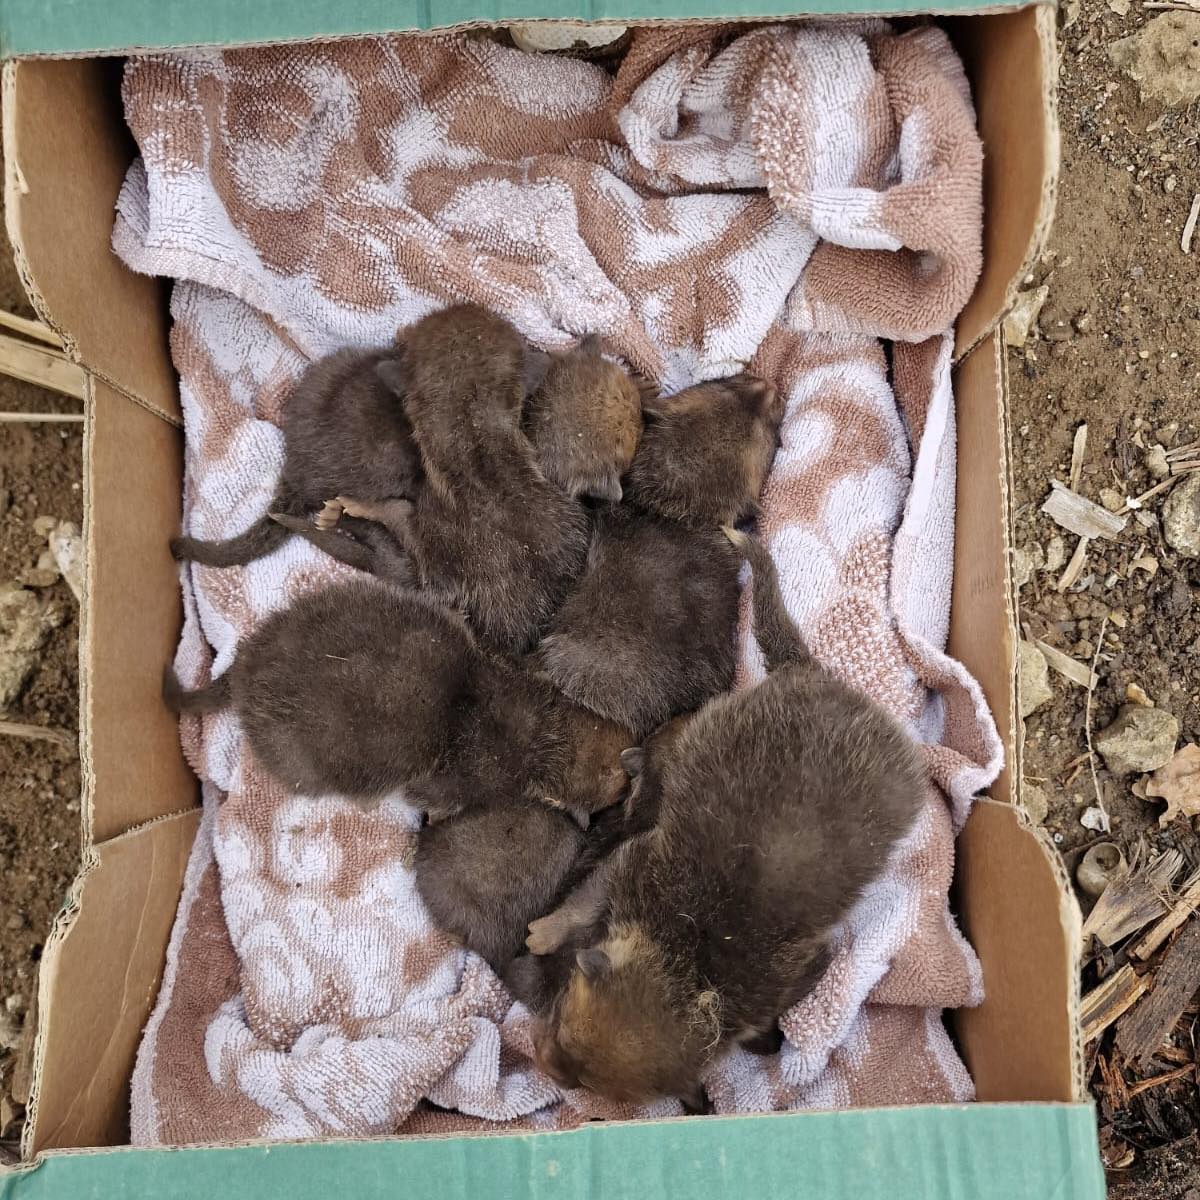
(1022, 566)
(66, 546)
(10, 1031)
(1112, 499)
(1181, 517)
(1160, 57)
(23, 628)
(1023, 314)
(1156, 462)
(1035, 802)
(1033, 678)
(1136, 694)
(1140, 739)
(1056, 554)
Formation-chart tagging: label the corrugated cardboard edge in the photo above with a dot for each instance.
(1047, 34)
(1000, 825)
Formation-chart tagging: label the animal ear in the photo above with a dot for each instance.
(634, 761)
(537, 364)
(390, 372)
(594, 963)
(591, 344)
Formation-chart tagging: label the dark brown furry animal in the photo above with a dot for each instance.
(648, 632)
(585, 421)
(705, 452)
(361, 689)
(777, 807)
(487, 530)
(344, 431)
(486, 873)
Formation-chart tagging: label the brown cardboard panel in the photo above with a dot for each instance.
(67, 149)
(1017, 909)
(100, 973)
(1011, 60)
(133, 483)
(982, 619)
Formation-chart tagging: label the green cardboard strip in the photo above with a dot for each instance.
(57, 27)
(967, 1152)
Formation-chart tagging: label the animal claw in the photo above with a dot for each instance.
(330, 514)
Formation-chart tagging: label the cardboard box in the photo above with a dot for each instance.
(67, 149)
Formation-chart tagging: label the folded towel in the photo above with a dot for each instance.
(783, 200)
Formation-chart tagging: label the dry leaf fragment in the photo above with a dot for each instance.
(1178, 783)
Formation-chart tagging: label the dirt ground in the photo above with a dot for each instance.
(41, 467)
(1116, 346)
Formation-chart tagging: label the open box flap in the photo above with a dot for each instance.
(66, 151)
(1012, 62)
(967, 1152)
(103, 956)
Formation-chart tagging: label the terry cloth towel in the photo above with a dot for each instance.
(783, 199)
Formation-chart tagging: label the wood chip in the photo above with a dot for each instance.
(41, 365)
(37, 733)
(1189, 226)
(32, 329)
(1110, 1000)
(1080, 515)
(1068, 667)
(1149, 1025)
(1077, 452)
(1145, 1085)
(1187, 903)
(1131, 901)
(37, 418)
(1074, 567)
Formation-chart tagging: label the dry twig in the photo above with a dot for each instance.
(1087, 726)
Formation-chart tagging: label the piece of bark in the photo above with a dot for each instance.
(1183, 907)
(1147, 1027)
(41, 365)
(1068, 667)
(1078, 449)
(1133, 900)
(1075, 567)
(1109, 1000)
(1080, 515)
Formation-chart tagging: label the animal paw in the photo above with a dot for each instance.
(329, 515)
(544, 936)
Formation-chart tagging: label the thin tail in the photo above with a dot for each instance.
(261, 538)
(774, 629)
(206, 699)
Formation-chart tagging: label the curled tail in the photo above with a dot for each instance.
(206, 699)
(261, 538)
(774, 629)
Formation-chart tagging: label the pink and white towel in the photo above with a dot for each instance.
(784, 198)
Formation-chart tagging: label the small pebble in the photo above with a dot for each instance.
(1112, 499)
